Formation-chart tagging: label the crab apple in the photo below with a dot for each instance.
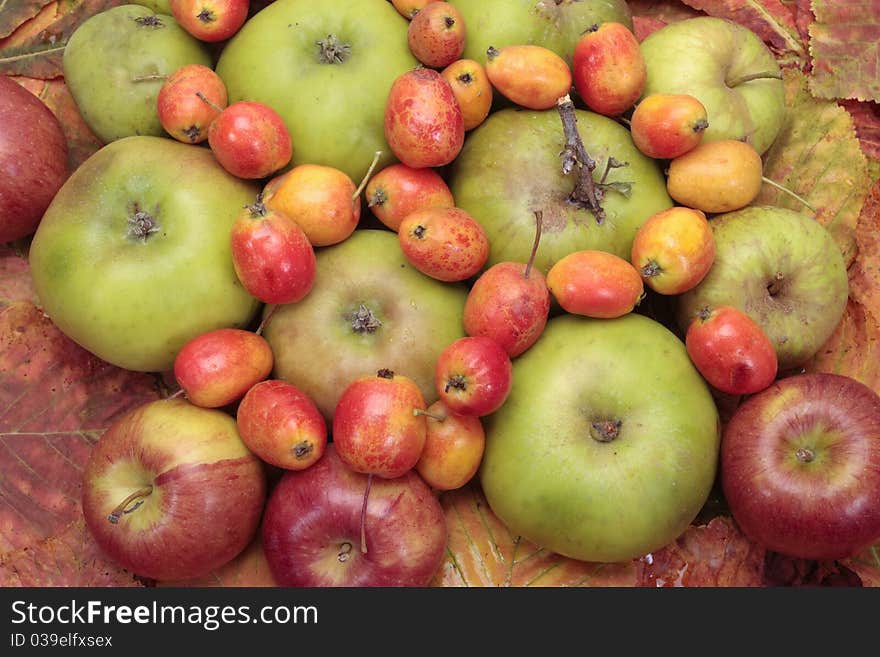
(409, 8)
(674, 250)
(436, 34)
(272, 256)
(397, 190)
(529, 75)
(472, 90)
(454, 446)
(445, 243)
(376, 428)
(189, 101)
(249, 140)
(282, 425)
(218, 367)
(423, 124)
(210, 20)
(595, 284)
(473, 376)
(320, 198)
(608, 68)
(665, 126)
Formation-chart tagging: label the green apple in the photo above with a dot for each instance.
(784, 270)
(727, 68)
(326, 68)
(132, 259)
(509, 168)
(606, 448)
(115, 63)
(369, 309)
(554, 24)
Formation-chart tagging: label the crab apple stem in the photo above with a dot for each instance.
(207, 100)
(137, 497)
(178, 393)
(539, 219)
(763, 75)
(364, 515)
(149, 78)
(266, 318)
(366, 178)
(782, 188)
(433, 416)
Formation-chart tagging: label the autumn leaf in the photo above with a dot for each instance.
(666, 11)
(69, 558)
(715, 554)
(866, 565)
(771, 20)
(36, 49)
(249, 568)
(13, 14)
(818, 156)
(482, 552)
(15, 279)
(644, 26)
(853, 349)
(845, 47)
(55, 401)
(866, 117)
(864, 277)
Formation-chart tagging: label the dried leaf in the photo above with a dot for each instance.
(13, 14)
(845, 46)
(866, 565)
(782, 570)
(55, 401)
(715, 554)
(15, 278)
(818, 156)
(866, 117)
(81, 141)
(70, 558)
(249, 568)
(482, 552)
(36, 49)
(643, 26)
(771, 20)
(864, 275)
(667, 11)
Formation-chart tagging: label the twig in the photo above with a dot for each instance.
(574, 155)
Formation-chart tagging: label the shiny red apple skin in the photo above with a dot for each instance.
(33, 160)
(189, 100)
(218, 367)
(207, 498)
(374, 427)
(397, 190)
(250, 140)
(824, 508)
(473, 376)
(506, 305)
(312, 528)
(210, 20)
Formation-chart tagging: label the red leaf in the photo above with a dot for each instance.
(645, 25)
(56, 400)
(716, 554)
(70, 558)
(15, 278)
(21, 11)
(667, 11)
(864, 277)
(845, 46)
(866, 117)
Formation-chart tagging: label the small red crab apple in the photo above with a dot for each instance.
(210, 20)
(665, 126)
(608, 68)
(397, 190)
(595, 284)
(473, 376)
(436, 34)
(250, 140)
(454, 446)
(281, 424)
(409, 8)
(445, 243)
(189, 100)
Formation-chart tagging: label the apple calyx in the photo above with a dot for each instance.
(138, 497)
(385, 373)
(704, 313)
(539, 221)
(774, 287)
(344, 553)
(604, 431)
(206, 16)
(378, 197)
(456, 381)
(302, 450)
(363, 320)
(805, 455)
(761, 75)
(149, 21)
(142, 224)
(700, 125)
(332, 51)
(650, 270)
(492, 52)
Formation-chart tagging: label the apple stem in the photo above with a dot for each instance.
(763, 75)
(539, 220)
(433, 416)
(782, 188)
(210, 103)
(137, 497)
(179, 393)
(266, 318)
(149, 78)
(585, 193)
(364, 515)
(366, 178)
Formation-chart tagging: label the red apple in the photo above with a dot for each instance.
(250, 140)
(424, 126)
(376, 429)
(800, 466)
(665, 126)
(282, 425)
(272, 255)
(33, 160)
(171, 492)
(312, 529)
(210, 20)
(436, 34)
(473, 376)
(397, 190)
(608, 68)
(189, 101)
(218, 367)
(445, 243)
(454, 446)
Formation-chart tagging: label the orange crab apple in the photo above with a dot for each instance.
(398, 189)
(445, 243)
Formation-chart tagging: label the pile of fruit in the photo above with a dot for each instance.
(386, 250)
